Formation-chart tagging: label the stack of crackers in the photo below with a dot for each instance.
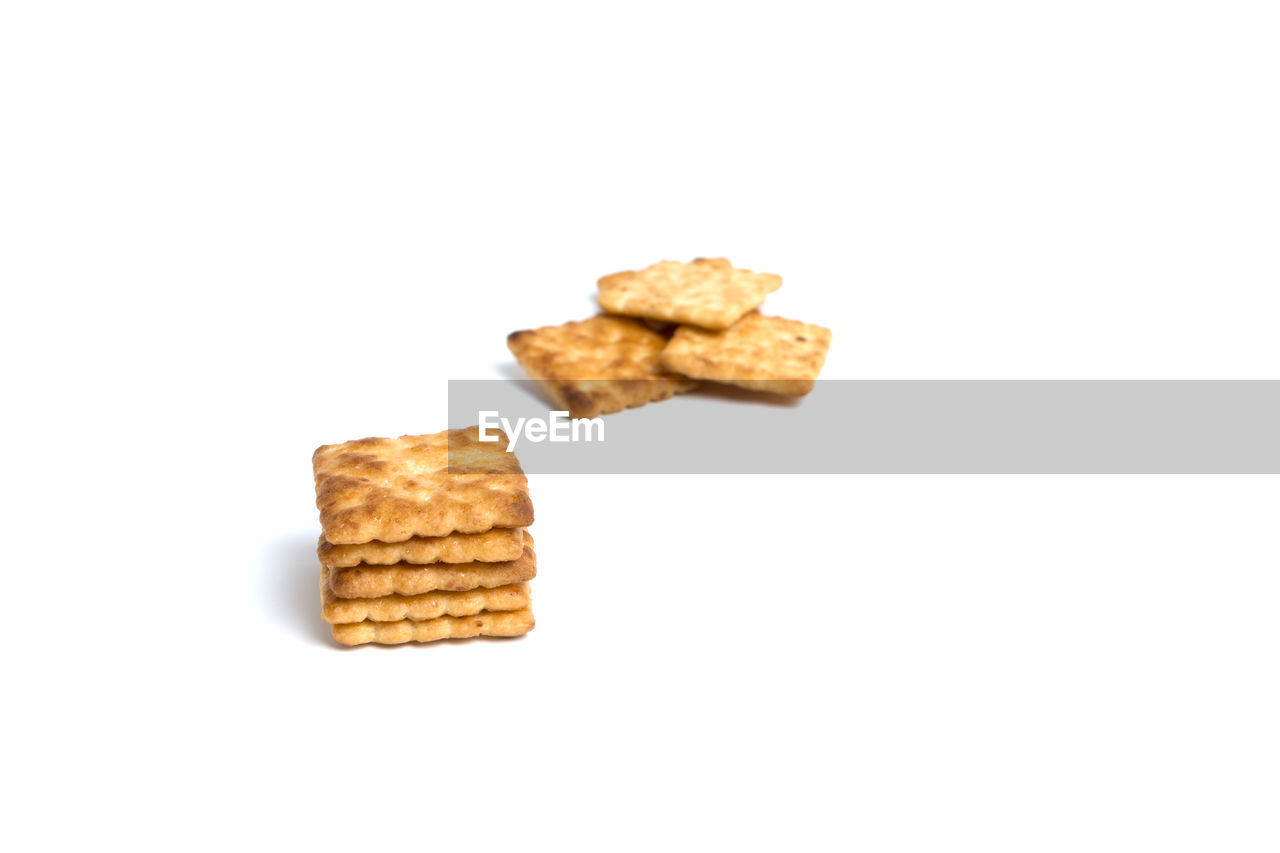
(667, 327)
(424, 538)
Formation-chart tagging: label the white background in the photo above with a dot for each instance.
(232, 232)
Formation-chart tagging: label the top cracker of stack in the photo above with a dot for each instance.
(424, 538)
(608, 363)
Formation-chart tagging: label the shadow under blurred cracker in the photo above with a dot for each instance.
(531, 388)
(722, 391)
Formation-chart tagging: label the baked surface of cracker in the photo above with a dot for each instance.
(758, 352)
(419, 608)
(393, 489)
(509, 623)
(406, 579)
(496, 545)
(597, 366)
(707, 292)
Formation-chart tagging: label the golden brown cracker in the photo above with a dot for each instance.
(406, 579)
(419, 608)
(492, 546)
(393, 489)
(507, 623)
(597, 366)
(708, 292)
(758, 352)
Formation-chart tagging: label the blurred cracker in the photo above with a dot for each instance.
(758, 352)
(707, 292)
(597, 366)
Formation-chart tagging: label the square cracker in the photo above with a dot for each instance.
(507, 623)
(492, 546)
(407, 579)
(758, 352)
(419, 608)
(393, 489)
(597, 366)
(708, 292)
